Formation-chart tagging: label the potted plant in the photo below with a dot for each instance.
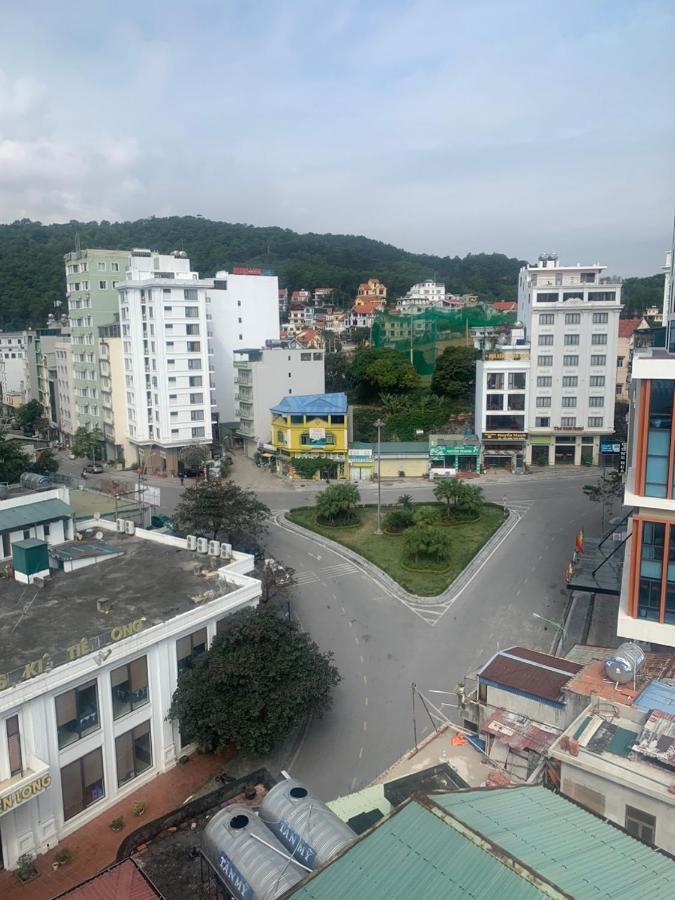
(138, 808)
(62, 858)
(26, 869)
(117, 824)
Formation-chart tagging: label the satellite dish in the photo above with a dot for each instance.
(97, 515)
(99, 535)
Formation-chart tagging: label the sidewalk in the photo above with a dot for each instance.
(94, 846)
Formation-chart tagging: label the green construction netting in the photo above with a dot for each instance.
(430, 331)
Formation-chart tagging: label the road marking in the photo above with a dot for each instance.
(365, 680)
(361, 660)
(353, 782)
(356, 639)
(351, 624)
(360, 752)
(366, 700)
(365, 726)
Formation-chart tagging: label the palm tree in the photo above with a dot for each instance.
(405, 501)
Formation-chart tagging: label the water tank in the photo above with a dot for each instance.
(304, 824)
(32, 481)
(624, 665)
(249, 860)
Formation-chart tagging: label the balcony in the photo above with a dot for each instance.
(34, 779)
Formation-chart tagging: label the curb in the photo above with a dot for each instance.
(393, 588)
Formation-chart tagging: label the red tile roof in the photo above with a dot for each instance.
(123, 881)
(368, 306)
(627, 327)
(530, 672)
(504, 306)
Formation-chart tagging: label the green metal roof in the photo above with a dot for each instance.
(413, 853)
(394, 448)
(577, 851)
(17, 517)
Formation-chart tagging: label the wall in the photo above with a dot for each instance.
(391, 466)
(536, 710)
(12, 357)
(119, 403)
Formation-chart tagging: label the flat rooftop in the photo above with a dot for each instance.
(135, 578)
(592, 681)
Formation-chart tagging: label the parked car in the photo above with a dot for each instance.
(94, 469)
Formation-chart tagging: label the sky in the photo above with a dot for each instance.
(440, 126)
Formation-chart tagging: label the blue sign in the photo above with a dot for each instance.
(610, 448)
(234, 879)
(299, 848)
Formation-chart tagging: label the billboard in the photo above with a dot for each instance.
(317, 437)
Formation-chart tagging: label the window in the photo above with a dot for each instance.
(544, 380)
(598, 339)
(192, 329)
(304, 438)
(568, 402)
(572, 318)
(550, 297)
(495, 381)
(103, 285)
(198, 432)
(595, 421)
(101, 267)
(620, 360)
(280, 437)
(640, 824)
(194, 363)
(195, 381)
(305, 357)
(543, 401)
(14, 746)
(659, 439)
(545, 360)
(494, 401)
(133, 753)
(604, 296)
(129, 687)
(191, 312)
(598, 359)
(517, 381)
(188, 648)
(597, 381)
(568, 421)
(193, 346)
(600, 318)
(82, 783)
(196, 398)
(115, 267)
(570, 360)
(168, 309)
(571, 340)
(596, 401)
(547, 319)
(191, 294)
(587, 277)
(542, 422)
(651, 570)
(516, 402)
(330, 437)
(545, 340)
(197, 415)
(570, 381)
(76, 713)
(505, 423)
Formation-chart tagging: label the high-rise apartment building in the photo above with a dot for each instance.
(571, 317)
(669, 298)
(113, 390)
(92, 278)
(647, 604)
(65, 390)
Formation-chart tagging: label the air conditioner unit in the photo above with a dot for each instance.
(191, 542)
(214, 548)
(129, 527)
(226, 551)
(120, 524)
(202, 545)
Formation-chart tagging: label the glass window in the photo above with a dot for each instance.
(192, 329)
(570, 360)
(76, 713)
(195, 380)
(598, 339)
(596, 401)
(568, 421)
(651, 570)
(494, 402)
(505, 423)
(604, 296)
(547, 297)
(330, 437)
(129, 685)
(573, 318)
(595, 421)
(568, 402)
(516, 401)
(543, 401)
(659, 438)
(82, 783)
(517, 381)
(188, 648)
(573, 295)
(545, 340)
(570, 381)
(495, 381)
(193, 346)
(133, 753)
(545, 360)
(600, 318)
(598, 359)
(571, 340)
(14, 746)
(190, 294)
(546, 318)
(337, 420)
(304, 438)
(196, 398)
(542, 422)
(544, 380)
(597, 381)
(640, 824)
(588, 277)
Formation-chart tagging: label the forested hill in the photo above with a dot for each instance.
(31, 260)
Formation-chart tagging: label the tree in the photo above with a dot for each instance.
(405, 501)
(308, 466)
(455, 374)
(87, 444)
(46, 463)
(261, 678)
(220, 510)
(427, 542)
(13, 461)
(398, 520)
(447, 491)
(470, 499)
(336, 369)
(337, 503)
(376, 371)
(195, 457)
(29, 414)
(426, 516)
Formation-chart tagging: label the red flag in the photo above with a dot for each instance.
(580, 541)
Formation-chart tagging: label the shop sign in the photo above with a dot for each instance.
(442, 450)
(317, 437)
(27, 792)
(506, 355)
(540, 440)
(568, 428)
(504, 435)
(611, 447)
(360, 456)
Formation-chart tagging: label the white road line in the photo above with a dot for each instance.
(356, 639)
(361, 660)
(351, 624)
(365, 700)
(360, 752)
(365, 726)
(365, 680)
(353, 782)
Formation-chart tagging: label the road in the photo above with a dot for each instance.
(381, 645)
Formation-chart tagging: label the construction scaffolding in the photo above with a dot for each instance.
(424, 335)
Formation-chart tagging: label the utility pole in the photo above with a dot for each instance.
(379, 425)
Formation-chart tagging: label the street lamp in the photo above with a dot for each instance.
(379, 424)
(556, 625)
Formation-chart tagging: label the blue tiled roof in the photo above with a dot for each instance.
(657, 695)
(312, 404)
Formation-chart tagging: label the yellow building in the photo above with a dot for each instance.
(312, 426)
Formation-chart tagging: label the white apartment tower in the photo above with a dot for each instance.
(571, 318)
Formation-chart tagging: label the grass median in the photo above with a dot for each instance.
(386, 550)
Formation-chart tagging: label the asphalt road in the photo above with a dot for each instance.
(381, 645)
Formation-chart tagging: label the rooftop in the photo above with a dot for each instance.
(627, 327)
(312, 404)
(518, 732)
(123, 881)
(394, 448)
(657, 695)
(592, 681)
(529, 672)
(15, 518)
(148, 583)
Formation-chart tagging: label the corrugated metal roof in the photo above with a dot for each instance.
(577, 851)
(31, 513)
(309, 404)
(519, 732)
(529, 672)
(413, 853)
(657, 695)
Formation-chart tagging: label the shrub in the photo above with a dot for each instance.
(138, 808)
(337, 504)
(398, 520)
(427, 542)
(117, 824)
(25, 867)
(426, 515)
(63, 857)
(405, 501)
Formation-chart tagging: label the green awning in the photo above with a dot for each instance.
(17, 517)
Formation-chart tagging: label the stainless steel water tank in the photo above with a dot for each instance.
(249, 860)
(625, 664)
(304, 824)
(33, 481)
